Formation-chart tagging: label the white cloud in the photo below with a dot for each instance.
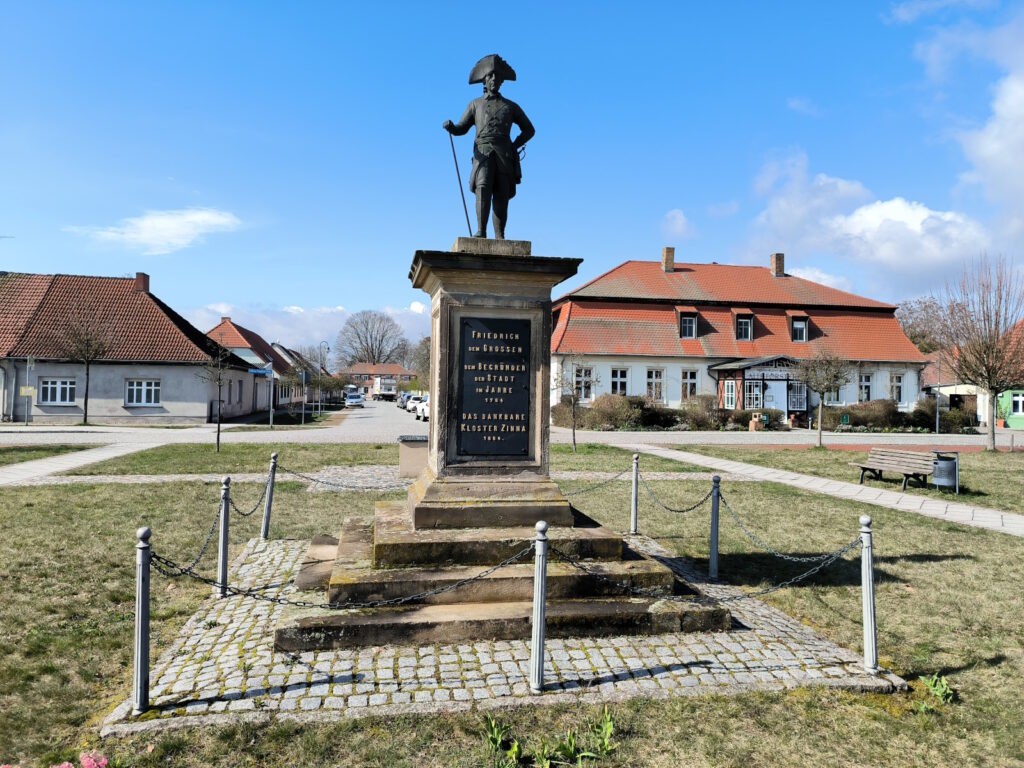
(803, 106)
(290, 326)
(820, 276)
(418, 307)
(414, 319)
(997, 149)
(723, 210)
(160, 232)
(910, 11)
(675, 224)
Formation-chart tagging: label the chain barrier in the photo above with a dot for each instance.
(660, 503)
(758, 542)
(827, 560)
(596, 486)
(172, 570)
(255, 506)
(206, 544)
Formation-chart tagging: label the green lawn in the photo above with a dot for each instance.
(243, 457)
(17, 454)
(948, 602)
(987, 479)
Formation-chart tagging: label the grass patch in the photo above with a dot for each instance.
(594, 457)
(948, 602)
(242, 457)
(988, 479)
(19, 453)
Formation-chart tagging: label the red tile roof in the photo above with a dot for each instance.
(715, 283)
(588, 327)
(35, 311)
(380, 369)
(233, 336)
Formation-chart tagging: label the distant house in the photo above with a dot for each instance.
(301, 364)
(672, 331)
(153, 368)
(255, 350)
(364, 375)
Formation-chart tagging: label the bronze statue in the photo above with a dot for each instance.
(496, 169)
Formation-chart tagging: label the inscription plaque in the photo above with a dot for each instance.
(493, 409)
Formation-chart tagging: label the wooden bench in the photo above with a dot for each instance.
(910, 464)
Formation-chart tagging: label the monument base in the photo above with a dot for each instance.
(486, 501)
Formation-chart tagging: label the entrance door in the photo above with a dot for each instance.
(775, 396)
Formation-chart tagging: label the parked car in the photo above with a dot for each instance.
(410, 404)
(423, 408)
(354, 400)
(403, 398)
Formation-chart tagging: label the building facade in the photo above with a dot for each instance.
(672, 331)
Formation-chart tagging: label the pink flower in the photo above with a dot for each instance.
(92, 760)
(65, 764)
(8, 765)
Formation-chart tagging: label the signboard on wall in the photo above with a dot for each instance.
(27, 391)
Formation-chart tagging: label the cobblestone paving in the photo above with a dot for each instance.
(223, 667)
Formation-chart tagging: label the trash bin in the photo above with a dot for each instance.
(946, 470)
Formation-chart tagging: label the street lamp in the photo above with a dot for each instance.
(324, 349)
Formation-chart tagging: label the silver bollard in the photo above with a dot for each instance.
(222, 550)
(867, 583)
(634, 501)
(140, 671)
(265, 530)
(540, 573)
(713, 544)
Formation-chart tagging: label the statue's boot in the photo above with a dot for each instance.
(483, 211)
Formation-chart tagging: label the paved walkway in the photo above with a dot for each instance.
(27, 471)
(954, 511)
(224, 669)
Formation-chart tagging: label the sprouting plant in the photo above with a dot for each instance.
(543, 756)
(513, 754)
(602, 731)
(495, 734)
(939, 688)
(923, 708)
(568, 751)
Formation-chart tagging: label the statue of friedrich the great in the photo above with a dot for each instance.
(496, 169)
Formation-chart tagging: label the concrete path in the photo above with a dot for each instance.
(27, 471)
(954, 511)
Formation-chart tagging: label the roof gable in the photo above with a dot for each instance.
(230, 334)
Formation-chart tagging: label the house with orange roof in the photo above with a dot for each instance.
(378, 379)
(151, 365)
(672, 331)
(255, 350)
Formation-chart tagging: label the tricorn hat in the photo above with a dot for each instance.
(488, 64)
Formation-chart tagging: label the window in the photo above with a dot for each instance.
(864, 389)
(584, 383)
(689, 384)
(1017, 404)
(688, 326)
(56, 391)
(897, 387)
(142, 392)
(619, 380)
(832, 397)
(744, 328)
(800, 329)
(655, 377)
(797, 396)
(729, 395)
(239, 390)
(751, 395)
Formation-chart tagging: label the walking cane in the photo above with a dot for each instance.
(462, 192)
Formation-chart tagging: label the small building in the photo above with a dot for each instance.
(367, 376)
(672, 331)
(151, 366)
(255, 350)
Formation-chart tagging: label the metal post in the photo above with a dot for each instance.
(713, 544)
(265, 530)
(634, 501)
(867, 583)
(222, 550)
(540, 573)
(140, 672)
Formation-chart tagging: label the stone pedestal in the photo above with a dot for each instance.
(487, 458)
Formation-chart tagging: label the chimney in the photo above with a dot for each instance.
(141, 284)
(224, 319)
(668, 258)
(777, 265)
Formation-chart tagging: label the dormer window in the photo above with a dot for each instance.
(799, 332)
(745, 328)
(688, 326)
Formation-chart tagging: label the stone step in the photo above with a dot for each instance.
(318, 629)
(396, 543)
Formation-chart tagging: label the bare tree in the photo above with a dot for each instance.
(419, 360)
(921, 320)
(370, 337)
(577, 383)
(823, 372)
(85, 339)
(217, 371)
(983, 323)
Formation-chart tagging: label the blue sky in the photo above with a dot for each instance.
(282, 162)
